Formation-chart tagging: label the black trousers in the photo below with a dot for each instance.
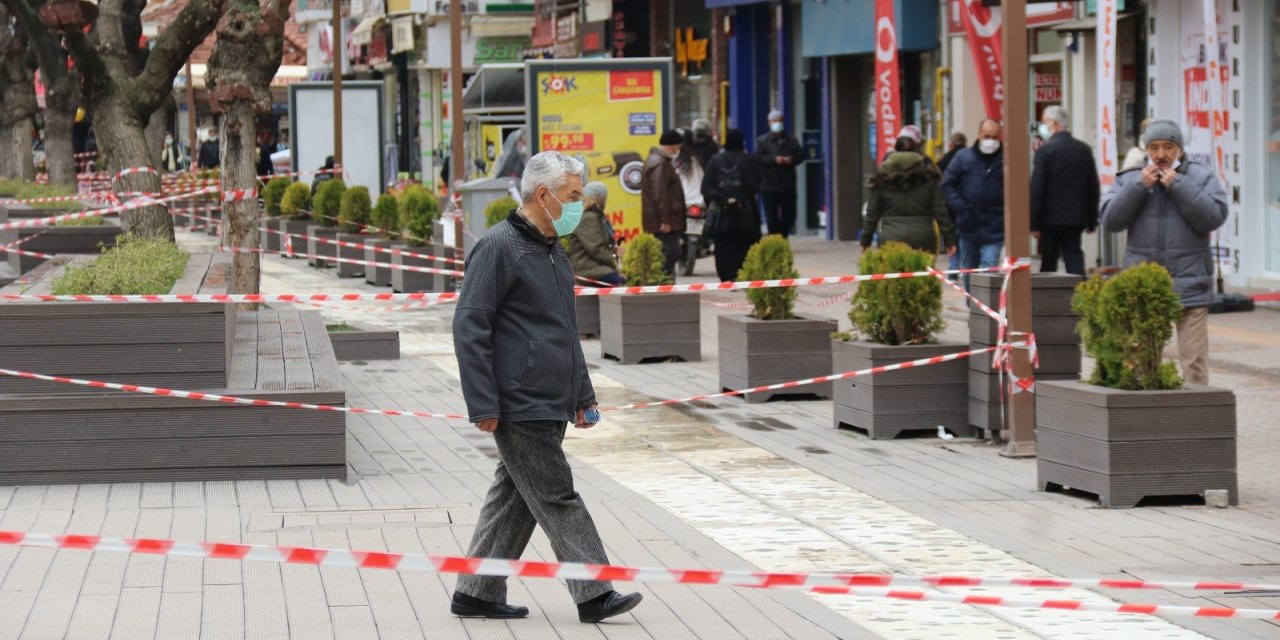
(731, 252)
(670, 251)
(779, 211)
(1064, 243)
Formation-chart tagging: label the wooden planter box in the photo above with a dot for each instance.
(755, 353)
(350, 269)
(442, 282)
(404, 281)
(317, 251)
(886, 405)
(634, 328)
(297, 232)
(1127, 445)
(587, 310)
(365, 344)
(62, 240)
(269, 235)
(377, 276)
(174, 345)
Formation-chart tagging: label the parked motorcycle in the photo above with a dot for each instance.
(694, 245)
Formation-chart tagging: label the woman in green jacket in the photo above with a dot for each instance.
(592, 248)
(907, 205)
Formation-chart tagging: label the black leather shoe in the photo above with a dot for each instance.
(607, 606)
(466, 606)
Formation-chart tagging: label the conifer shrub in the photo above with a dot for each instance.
(897, 311)
(1125, 322)
(770, 259)
(643, 262)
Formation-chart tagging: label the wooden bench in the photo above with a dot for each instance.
(280, 355)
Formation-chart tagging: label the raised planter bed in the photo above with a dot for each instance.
(176, 345)
(634, 328)
(358, 342)
(587, 311)
(1127, 445)
(377, 275)
(406, 281)
(351, 269)
(886, 405)
(755, 353)
(296, 232)
(317, 250)
(269, 235)
(62, 241)
(443, 283)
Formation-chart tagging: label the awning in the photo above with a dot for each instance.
(1086, 24)
(501, 26)
(495, 88)
(363, 33)
(286, 75)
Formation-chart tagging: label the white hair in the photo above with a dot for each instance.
(595, 193)
(550, 169)
(1059, 115)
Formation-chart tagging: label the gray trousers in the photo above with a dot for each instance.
(533, 485)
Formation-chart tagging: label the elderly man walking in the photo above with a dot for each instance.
(1170, 207)
(1064, 194)
(524, 378)
(974, 187)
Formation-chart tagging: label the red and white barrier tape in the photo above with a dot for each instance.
(398, 234)
(374, 248)
(134, 171)
(88, 213)
(385, 265)
(826, 583)
(237, 195)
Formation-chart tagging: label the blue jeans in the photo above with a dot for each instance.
(975, 254)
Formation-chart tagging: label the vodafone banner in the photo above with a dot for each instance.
(1106, 144)
(982, 30)
(888, 96)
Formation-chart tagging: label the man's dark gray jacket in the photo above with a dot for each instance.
(515, 331)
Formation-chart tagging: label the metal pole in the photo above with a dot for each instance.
(191, 117)
(1021, 437)
(337, 54)
(457, 171)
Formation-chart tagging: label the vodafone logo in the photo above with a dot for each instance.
(886, 40)
(987, 26)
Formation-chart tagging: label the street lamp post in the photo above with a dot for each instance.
(336, 55)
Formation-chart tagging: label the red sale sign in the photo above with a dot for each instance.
(888, 82)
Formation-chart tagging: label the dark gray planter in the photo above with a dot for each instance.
(755, 353)
(269, 235)
(587, 310)
(406, 281)
(296, 232)
(181, 212)
(317, 251)
(365, 344)
(442, 282)
(1127, 445)
(62, 240)
(885, 405)
(213, 225)
(377, 276)
(351, 269)
(634, 328)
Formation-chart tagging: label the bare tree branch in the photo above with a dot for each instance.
(172, 49)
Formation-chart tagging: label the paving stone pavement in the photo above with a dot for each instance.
(721, 484)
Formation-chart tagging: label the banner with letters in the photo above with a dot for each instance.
(888, 81)
(982, 26)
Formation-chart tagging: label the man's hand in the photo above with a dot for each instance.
(1091, 230)
(1150, 175)
(581, 421)
(1168, 178)
(1036, 235)
(664, 228)
(951, 250)
(782, 160)
(488, 425)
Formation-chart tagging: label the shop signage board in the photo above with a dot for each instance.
(1105, 148)
(887, 80)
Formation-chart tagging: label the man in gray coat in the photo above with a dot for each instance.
(524, 378)
(1170, 207)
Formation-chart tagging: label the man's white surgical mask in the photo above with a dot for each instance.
(776, 127)
(988, 146)
(1173, 167)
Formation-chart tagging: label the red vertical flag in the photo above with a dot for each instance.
(888, 83)
(982, 26)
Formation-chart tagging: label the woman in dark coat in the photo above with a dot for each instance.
(592, 249)
(907, 205)
(730, 184)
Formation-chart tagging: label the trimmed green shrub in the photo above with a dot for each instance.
(273, 193)
(418, 210)
(135, 266)
(771, 259)
(328, 201)
(643, 262)
(498, 210)
(1125, 322)
(353, 215)
(296, 202)
(385, 216)
(898, 311)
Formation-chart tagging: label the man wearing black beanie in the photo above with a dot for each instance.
(662, 198)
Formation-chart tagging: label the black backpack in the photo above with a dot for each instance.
(730, 187)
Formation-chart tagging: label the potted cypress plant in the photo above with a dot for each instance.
(1134, 429)
(353, 217)
(899, 321)
(772, 344)
(272, 194)
(386, 218)
(634, 328)
(327, 206)
(418, 210)
(296, 204)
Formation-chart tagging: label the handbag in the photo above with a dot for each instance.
(714, 220)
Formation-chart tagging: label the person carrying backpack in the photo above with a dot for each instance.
(730, 186)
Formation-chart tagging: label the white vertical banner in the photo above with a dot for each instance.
(1217, 106)
(1106, 94)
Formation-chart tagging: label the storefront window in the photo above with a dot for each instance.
(1273, 140)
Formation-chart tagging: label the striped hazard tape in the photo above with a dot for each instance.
(88, 213)
(863, 585)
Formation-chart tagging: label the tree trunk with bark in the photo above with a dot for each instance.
(17, 98)
(247, 54)
(123, 85)
(62, 93)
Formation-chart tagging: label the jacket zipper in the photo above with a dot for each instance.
(551, 254)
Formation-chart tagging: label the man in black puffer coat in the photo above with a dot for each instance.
(974, 187)
(1064, 194)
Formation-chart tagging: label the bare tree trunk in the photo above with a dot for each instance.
(246, 57)
(62, 91)
(122, 146)
(58, 147)
(17, 98)
(24, 166)
(6, 160)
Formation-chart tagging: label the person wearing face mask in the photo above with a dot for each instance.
(701, 145)
(662, 203)
(1170, 207)
(524, 379)
(1064, 193)
(171, 160)
(974, 188)
(779, 153)
(207, 158)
